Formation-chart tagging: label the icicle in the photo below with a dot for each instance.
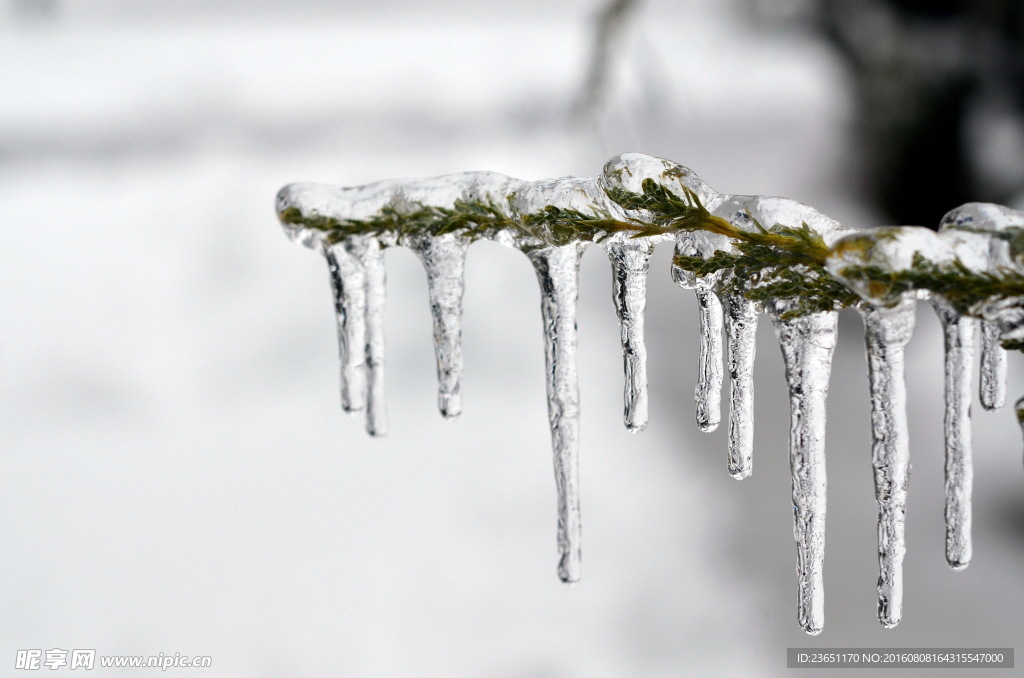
(887, 331)
(1019, 411)
(444, 258)
(376, 295)
(993, 367)
(708, 393)
(959, 349)
(630, 261)
(349, 287)
(741, 331)
(807, 345)
(897, 249)
(558, 274)
(551, 219)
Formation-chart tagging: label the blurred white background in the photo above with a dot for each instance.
(177, 475)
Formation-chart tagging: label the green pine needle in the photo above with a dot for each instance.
(776, 263)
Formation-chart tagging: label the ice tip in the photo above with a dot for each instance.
(958, 565)
(635, 426)
(569, 569)
(376, 430)
(708, 426)
(450, 405)
(812, 629)
(740, 473)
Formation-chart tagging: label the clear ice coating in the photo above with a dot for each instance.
(891, 249)
(351, 227)
(558, 274)
(1004, 227)
(886, 333)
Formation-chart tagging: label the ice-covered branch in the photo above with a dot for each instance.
(742, 255)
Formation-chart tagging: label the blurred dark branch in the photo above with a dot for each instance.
(928, 76)
(610, 24)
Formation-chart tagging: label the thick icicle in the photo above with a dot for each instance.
(887, 331)
(630, 261)
(708, 393)
(558, 274)
(993, 367)
(959, 333)
(348, 283)
(808, 343)
(444, 258)
(741, 332)
(376, 295)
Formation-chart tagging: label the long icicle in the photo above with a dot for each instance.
(376, 295)
(741, 332)
(708, 393)
(444, 258)
(959, 335)
(558, 274)
(349, 288)
(993, 367)
(630, 261)
(808, 343)
(886, 332)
